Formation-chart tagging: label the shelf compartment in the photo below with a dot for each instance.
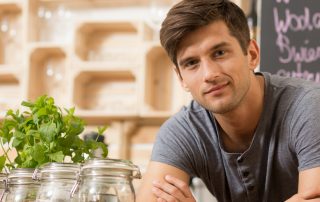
(10, 92)
(106, 93)
(159, 78)
(50, 21)
(10, 33)
(108, 41)
(48, 74)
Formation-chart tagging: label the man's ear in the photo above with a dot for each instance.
(253, 54)
(182, 83)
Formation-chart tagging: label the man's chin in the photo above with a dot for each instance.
(219, 108)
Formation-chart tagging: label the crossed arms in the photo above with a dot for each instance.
(165, 183)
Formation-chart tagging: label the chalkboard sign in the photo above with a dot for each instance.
(290, 38)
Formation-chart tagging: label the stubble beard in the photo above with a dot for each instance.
(226, 106)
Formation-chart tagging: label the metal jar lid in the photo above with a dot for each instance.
(20, 176)
(51, 171)
(111, 168)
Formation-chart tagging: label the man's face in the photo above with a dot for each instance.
(214, 68)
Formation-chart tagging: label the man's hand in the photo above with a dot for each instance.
(173, 190)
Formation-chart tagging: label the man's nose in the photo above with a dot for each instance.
(210, 70)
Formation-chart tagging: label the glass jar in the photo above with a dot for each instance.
(3, 185)
(107, 180)
(21, 186)
(57, 181)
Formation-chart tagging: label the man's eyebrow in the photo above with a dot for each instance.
(214, 47)
(219, 45)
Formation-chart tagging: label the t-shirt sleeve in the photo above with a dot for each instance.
(173, 146)
(305, 130)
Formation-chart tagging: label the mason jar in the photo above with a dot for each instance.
(3, 185)
(57, 181)
(21, 186)
(107, 180)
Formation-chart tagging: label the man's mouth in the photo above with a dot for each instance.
(216, 88)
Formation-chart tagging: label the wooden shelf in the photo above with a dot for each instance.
(108, 41)
(158, 80)
(14, 6)
(9, 70)
(11, 34)
(106, 92)
(10, 91)
(104, 65)
(48, 74)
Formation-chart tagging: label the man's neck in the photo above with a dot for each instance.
(237, 128)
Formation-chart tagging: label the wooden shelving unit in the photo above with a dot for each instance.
(99, 56)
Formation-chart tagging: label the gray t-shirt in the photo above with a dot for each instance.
(286, 141)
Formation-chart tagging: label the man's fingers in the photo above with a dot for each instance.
(169, 189)
(163, 196)
(179, 184)
(161, 200)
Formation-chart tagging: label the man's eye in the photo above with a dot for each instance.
(219, 53)
(190, 64)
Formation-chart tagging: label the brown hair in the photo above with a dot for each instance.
(189, 15)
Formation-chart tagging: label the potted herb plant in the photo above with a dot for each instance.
(43, 133)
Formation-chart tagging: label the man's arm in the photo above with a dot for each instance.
(154, 179)
(309, 186)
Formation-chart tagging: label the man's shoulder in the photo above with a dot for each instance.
(290, 89)
(193, 110)
(190, 117)
(299, 84)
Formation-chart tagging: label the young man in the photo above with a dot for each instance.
(249, 136)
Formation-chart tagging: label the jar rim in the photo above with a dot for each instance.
(108, 163)
(18, 176)
(60, 167)
(58, 170)
(21, 173)
(115, 167)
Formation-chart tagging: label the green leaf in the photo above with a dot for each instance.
(27, 104)
(41, 112)
(19, 137)
(77, 156)
(48, 131)
(2, 162)
(38, 153)
(104, 149)
(102, 129)
(16, 142)
(57, 157)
